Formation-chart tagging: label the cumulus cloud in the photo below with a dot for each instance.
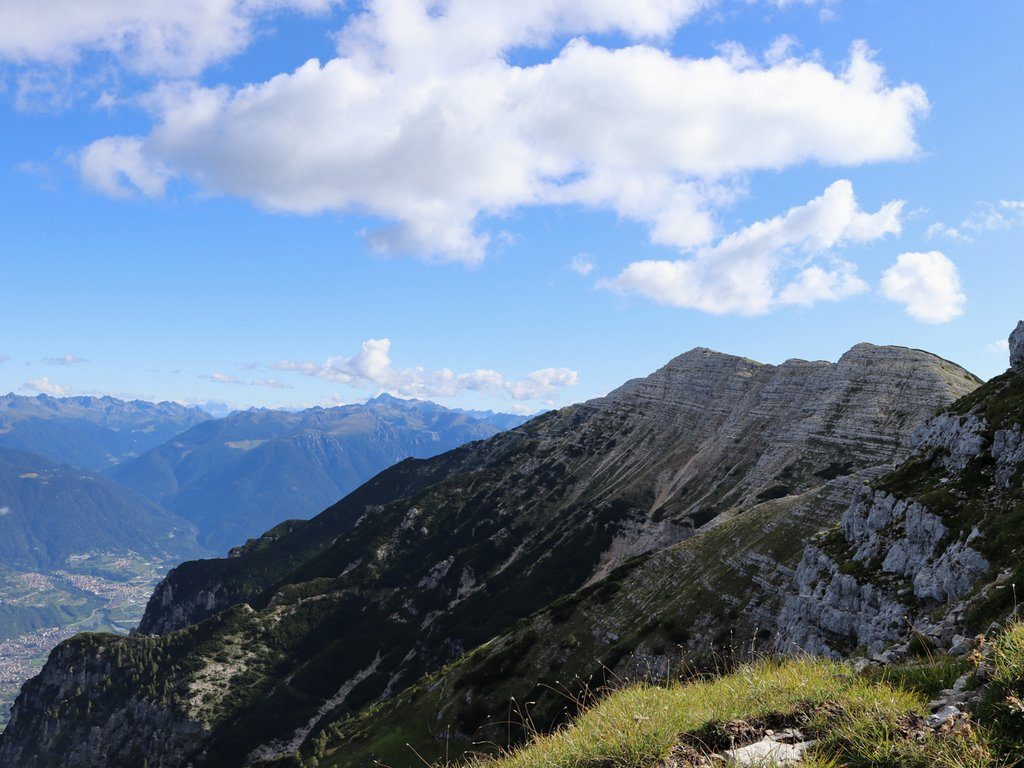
(815, 284)
(177, 38)
(740, 274)
(44, 386)
(4, 511)
(118, 167)
(927, 284)
(422, 123)
(999, 346)
(220, 378)
(64, 360)
(372, 365)
(582, 264)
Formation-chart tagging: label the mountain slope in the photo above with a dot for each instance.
(930, 551)
(50, 512)
(90, 432)
(433, 558)
(238, 476)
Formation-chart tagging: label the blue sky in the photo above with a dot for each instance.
(315, 239)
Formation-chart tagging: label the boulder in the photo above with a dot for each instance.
(767, 752)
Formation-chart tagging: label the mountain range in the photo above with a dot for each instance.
(235, 477)
(670, 516)
(81, 548)
(93, 433)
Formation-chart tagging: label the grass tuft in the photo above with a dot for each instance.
(857, 721)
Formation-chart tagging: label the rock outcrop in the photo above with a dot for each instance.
(898, 555)
(920, 549)
(70, 704)
(1017, 346)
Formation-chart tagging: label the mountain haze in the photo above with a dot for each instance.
(238, 476)
(49, 512)
(94, 433)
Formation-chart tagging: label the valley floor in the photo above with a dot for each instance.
(94, 592)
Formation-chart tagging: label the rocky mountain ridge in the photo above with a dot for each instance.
(432, 559)
(936, 545)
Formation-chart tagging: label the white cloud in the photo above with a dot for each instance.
(4, 359)
(44, 386)
(220, 378)
(815, 284)
(928, 284)
(423, 123)
(582, 264)
(372, 365)
(791, 3)
(4, 511)
(118, 167)
(986, 217)
(740, 273)
(939, 229)
(781, 49)
(64, 360)
(542, 383)
(1000, 346)
(270, 383)
(177, 38)
(826, 8)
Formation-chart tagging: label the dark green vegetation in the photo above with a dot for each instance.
(236, 477)
(94, 433)
(50, 512)
(564, 545)
(699, 601)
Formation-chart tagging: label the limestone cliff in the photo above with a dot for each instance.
(931, 546)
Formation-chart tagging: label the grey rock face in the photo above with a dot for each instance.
(176, 613)
(122, 737)
(1017, 346)
(831, 610)
(961, 437)
(1008, 451)
(902, 540)
(706, 433)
